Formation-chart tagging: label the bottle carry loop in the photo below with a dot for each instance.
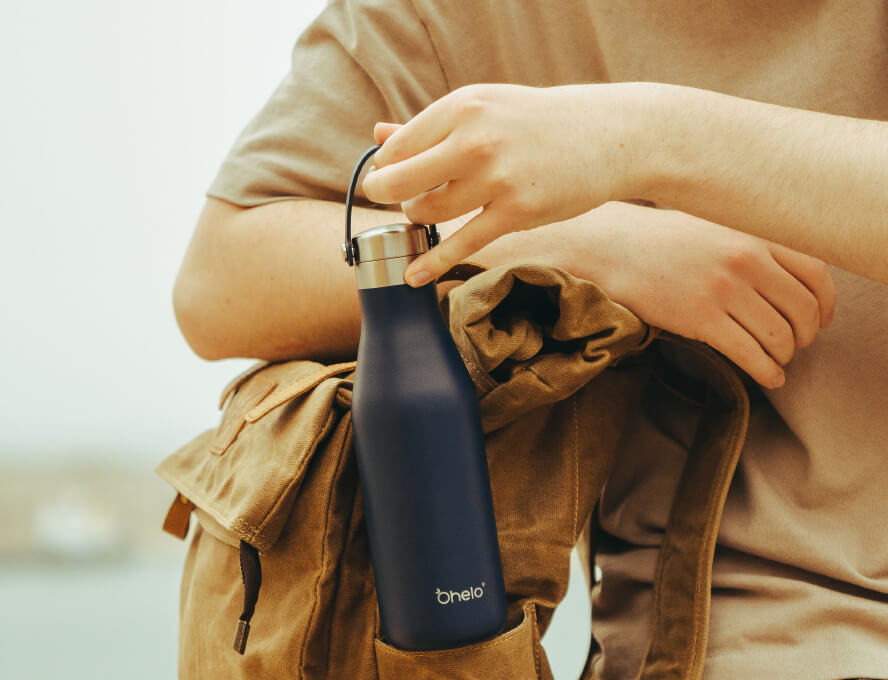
(349, 247)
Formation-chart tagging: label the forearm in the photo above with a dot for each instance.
(812, 181)
(270, 283)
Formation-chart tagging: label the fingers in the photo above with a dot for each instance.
(793, 300)
(765, 324)
(426, 129)
(416, 175)
(471, 237)
(735, 342)
(447, 202)
(813, 274)
(382, 131)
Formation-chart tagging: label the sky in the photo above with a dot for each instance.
(113, 120)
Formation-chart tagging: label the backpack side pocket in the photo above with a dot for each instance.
(513, 655)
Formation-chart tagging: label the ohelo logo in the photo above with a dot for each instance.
(454, 596)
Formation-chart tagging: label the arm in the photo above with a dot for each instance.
(811, 181)
(268, 282)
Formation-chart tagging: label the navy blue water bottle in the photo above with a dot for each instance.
(420, 452)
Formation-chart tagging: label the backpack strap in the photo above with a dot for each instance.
(683, 576)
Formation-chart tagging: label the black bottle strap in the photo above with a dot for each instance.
(349, 200)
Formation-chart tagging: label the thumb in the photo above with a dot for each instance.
(382, 131)
(468, 239)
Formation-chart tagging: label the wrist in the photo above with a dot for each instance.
(658, 115)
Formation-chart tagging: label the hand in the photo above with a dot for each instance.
(754, 301)
(529, 156)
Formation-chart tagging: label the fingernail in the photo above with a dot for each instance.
(419, 278)
(779, 381)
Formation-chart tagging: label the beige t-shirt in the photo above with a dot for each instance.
(800, 579)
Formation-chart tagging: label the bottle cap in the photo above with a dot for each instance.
(381, 254)
(391, 240)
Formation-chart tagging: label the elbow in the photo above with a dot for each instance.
(198, 316)
(197, 293)
(192, 312)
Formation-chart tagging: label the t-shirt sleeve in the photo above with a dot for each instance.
(358, 62)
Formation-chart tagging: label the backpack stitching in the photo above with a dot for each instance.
(324, 554)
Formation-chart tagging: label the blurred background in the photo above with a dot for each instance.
(115, 116)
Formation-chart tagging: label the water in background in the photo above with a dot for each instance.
(105, 620)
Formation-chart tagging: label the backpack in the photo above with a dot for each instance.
(278, 564)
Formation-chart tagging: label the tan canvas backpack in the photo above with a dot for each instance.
(557, 367)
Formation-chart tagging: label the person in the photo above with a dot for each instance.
(719, 168)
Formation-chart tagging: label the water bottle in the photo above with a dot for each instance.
(420, 452)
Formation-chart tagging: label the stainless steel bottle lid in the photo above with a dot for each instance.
(389, 240)
(381, 254)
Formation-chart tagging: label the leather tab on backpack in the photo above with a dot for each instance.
(178, 517)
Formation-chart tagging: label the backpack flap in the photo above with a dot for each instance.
(243, 476)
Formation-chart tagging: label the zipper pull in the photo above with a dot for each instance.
(251, 575)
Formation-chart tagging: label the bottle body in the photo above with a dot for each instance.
(424, 476)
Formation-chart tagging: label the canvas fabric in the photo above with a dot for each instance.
(558, 370)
